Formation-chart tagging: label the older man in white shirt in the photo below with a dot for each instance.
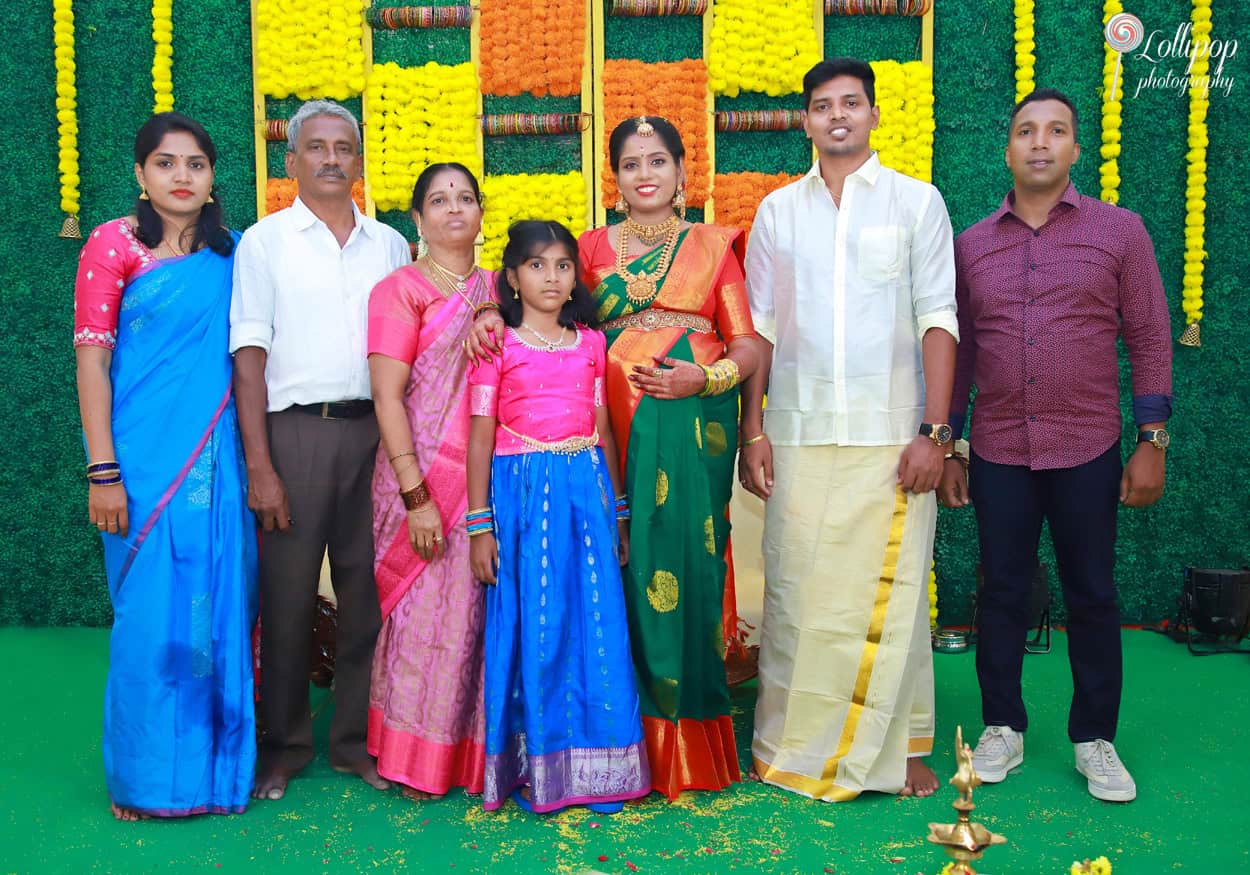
(302, 278)
(850, 275)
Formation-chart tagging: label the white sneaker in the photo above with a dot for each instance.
(1108, 779)
(999, 750)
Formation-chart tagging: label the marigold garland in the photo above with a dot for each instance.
(904, 137)
(738, 195)
(1196, 175)
(418, 116)
(310, 49)
(678, 92)
(1025, 46)
(66, 113)
(163, 55)
(933, 596)
(761, 45)
(1112, 106)
(512, 197)
(280, 194)
(1100, 866)
(532, 45)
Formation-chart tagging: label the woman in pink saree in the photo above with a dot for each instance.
(425, 703)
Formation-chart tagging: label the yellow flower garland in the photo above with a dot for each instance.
(1100, 866)
(904, 137)
(1024, 49)
(761, 45)
(163, 55)
(66, 113)
(418, 116)
(310, 49)
(933, 596)
(512, 197)
(1196, 178)
(1109, 170)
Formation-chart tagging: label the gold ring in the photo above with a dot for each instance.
(655, 372)
(438, 539)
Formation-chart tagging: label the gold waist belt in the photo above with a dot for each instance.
(650, 320)
(566, 447)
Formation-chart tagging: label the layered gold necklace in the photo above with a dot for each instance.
(651, 234)
(458, 283)
(640, 288)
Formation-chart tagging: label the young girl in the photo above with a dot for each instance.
(562, 712)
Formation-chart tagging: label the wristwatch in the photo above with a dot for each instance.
(940, 433)
(1159, 437)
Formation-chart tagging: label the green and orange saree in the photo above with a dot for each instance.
(678, 458)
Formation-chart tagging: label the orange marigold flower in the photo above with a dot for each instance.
(676, 91)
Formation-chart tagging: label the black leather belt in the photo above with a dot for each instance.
(337, 409)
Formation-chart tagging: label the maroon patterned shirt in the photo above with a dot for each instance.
(1039, 314)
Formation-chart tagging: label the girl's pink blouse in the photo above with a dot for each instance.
(546, 396)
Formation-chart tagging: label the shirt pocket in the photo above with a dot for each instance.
(879, 253)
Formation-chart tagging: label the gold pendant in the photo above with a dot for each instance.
(640, 289)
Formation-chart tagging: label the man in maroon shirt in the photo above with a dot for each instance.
(1045, 285)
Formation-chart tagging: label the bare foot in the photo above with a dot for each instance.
(921, 780)
(368, 773)
(272, 784)
(127, 814)
(419, 795)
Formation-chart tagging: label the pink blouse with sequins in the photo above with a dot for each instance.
(111, 257)
(545, 395)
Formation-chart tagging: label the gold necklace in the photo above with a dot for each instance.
(650, 234)
(548, 345)
(460, 284)
(640, 288)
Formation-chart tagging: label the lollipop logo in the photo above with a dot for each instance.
(1124, 32)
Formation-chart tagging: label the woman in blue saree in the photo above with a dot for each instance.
(167, 487)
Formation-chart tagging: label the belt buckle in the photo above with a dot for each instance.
(325, 410)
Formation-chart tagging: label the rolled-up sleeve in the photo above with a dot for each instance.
(933, 268)
(759, 274)
(252, 299)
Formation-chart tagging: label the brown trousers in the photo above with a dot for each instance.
(327, 468)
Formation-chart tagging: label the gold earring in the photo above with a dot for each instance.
(679, 203)
(210, 199)
(516, 293)
(143, 193)
(622, 206)
(422, 249)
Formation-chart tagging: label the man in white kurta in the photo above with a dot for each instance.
(850, 275)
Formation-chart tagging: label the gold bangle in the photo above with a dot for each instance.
(415, 498)
(401, 455)
(478, 510)
(755, 440)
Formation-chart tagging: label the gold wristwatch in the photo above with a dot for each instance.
(1158, 436)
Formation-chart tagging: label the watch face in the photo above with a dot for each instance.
(942, 434)
(1162, 439)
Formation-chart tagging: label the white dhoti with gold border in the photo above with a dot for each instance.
(846, 667)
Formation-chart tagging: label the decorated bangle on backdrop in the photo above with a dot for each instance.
(107, 473)
(719, 377)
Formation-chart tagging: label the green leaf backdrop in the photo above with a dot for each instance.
(50, 564)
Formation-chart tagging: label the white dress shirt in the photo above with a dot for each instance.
(304, 299)
(845, 296)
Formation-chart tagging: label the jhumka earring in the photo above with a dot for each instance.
(143, 194)
(422, 249)
(516, 293)
(210, 199)
(621, 205)
(679, 203)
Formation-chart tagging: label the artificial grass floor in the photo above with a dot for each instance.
(1184, 732)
